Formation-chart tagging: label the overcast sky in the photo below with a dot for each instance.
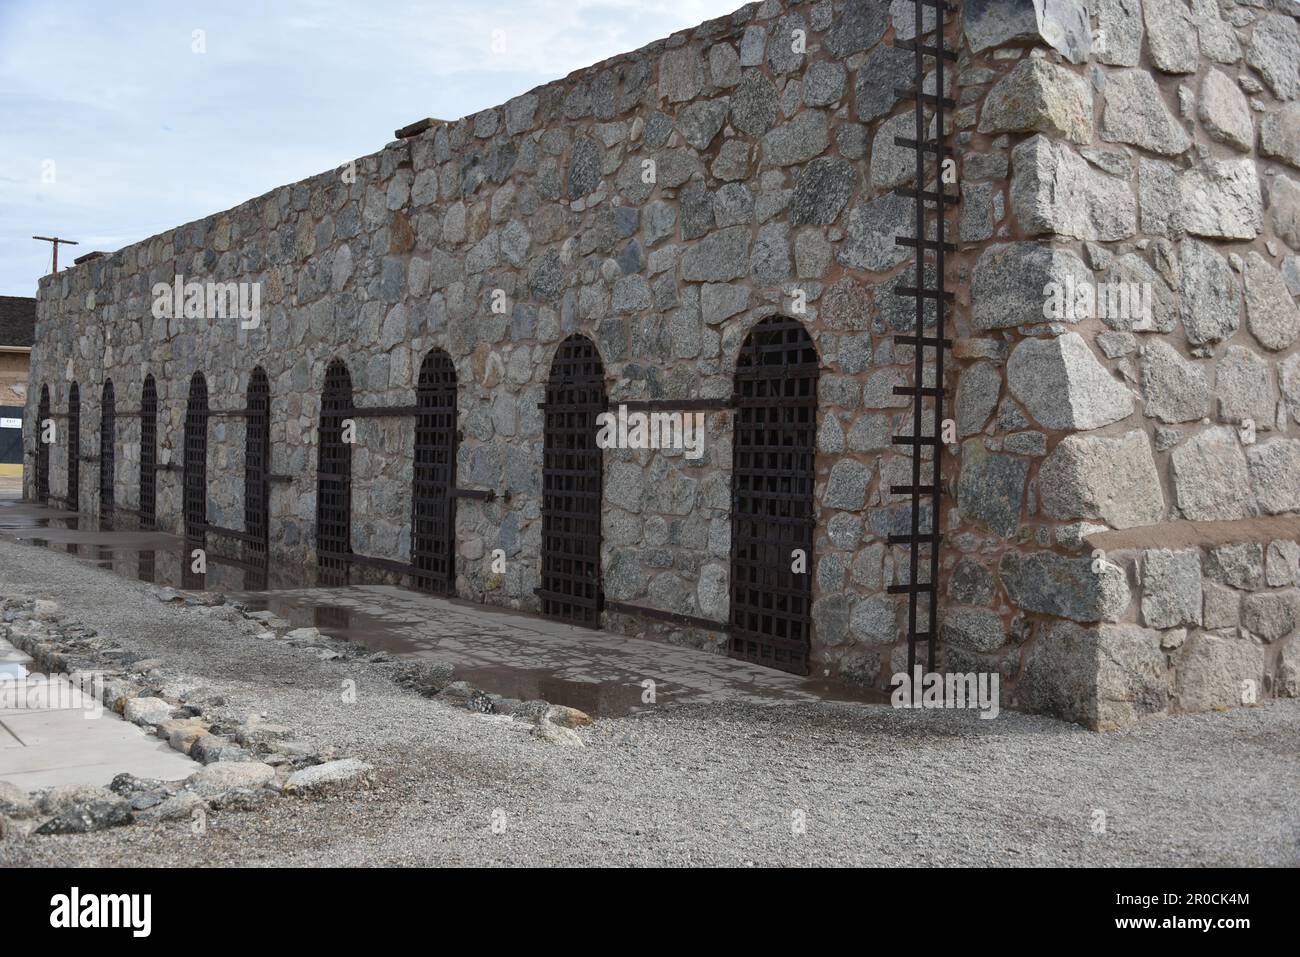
(112, 128)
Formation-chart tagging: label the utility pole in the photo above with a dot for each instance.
(56, 240)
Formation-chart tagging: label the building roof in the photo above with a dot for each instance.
(17, 320)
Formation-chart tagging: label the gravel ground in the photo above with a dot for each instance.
(721, 785)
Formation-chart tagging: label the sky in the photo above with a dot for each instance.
(118, 121)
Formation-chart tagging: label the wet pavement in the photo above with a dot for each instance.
(514, 654)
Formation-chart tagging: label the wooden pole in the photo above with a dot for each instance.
(56, 240)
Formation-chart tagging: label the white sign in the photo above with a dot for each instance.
(11, 423)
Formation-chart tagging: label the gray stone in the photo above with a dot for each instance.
(1116, 344)
(733, 161)
(847, 486)
(147, 711)
(1009, 281)
(1242, 384)
(1221, 200)
(1211, 481)
(701, 121)
(1274, 51)
(1065, 587)
(1160, 198)
(782, 53)
(1171, 587)
(724, 65)
(224, 776)
(812, 254)
(872, 228)
(327, 776)
(1284, 209)
(1064, 386)
(1271, 615)
(720, 256)
(823, 187)
(1135, 113)
(991, 489)
(754, 104)
(1119, 32)
(752, 44)
(1213, 673)
(1171, 35)
(92, 816)
(1288, 670)
(1271, 312)
(681, 74)
(823, 83)
(860, 26)
(1282, 563)
(771, 257)
(585, 166)
(1211, 297)
(891, 164)
(1061, 24)
(970, 583)
(1221, 607)
(1174, 389)
(1224, 112)
(797, 141)
(1288, 377)
(1279, 134)
(875, 621)
(1154, 309)
(696, 210)
(1054, 190)
(887, 69)
(719, 301)
(977, 211)
(977, 396)
(1240, 565)
(1113, 479)
(974, 629)
(830, 615)
(1275, 475)
(1038, 96)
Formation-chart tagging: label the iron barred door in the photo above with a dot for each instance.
(74, 448)
(571, 485)
(148, 452)
(42, 448)
(334, 473)
(433, 510)
(773, 518)
(257, 464)
(196, 460)
(107, 449)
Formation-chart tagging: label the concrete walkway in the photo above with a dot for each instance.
(72, 742)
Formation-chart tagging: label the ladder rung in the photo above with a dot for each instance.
(926, 49)
(913, 390)
(937, 5)
(908, 588)
(922, 538)
(930, 146)
(923, 341)
(916, 293)
(909, 93)
(908, 489)
(927, 195)
(931, 244)
(913, 440)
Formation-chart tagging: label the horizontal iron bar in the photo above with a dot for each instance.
(232, 533)
(908, 489)
(926, 49)
(483, 494)
(914, 440)
(931, 341)
(676, 618)
(921, 537)
(913, 292)
(229, 413)
(580, 600)
(909, 93)
(668, 405)
(930, 244)
(913, 390)
(387, 564)
(929, 146)
(909, 588)
(377, 411)
(928, 195)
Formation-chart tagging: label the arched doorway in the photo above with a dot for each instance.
(42, 448)
(433, 509)
(773, 515)
(196, 460)
(148, 452)
(107, 449)
(74, 449)
(257, 464)
(334, 473)
(571, 484)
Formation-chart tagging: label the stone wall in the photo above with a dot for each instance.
(1124, 540)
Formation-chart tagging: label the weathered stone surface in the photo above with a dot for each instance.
(224, 776)
(1288, 670)
(1064, 386)
(1119, 32)
(891, 164)
(1105, 677)
(1274, 51)
(1282, 563)
(975, 629)
(797, 141)
(823, 84)
(720, 256)
(1135, 113)
(1054, 190)
(1154, 309)
(823, 187)
(1065, 587)
(1211, 481)
(1222, 200)
(1279, 134)
(724, 65)
(701, 121)
(1212, 673)
(1271, 615)
(1039, 96)
(681, 74)
(147, 710)
(991, 489)
(871, 230)
(1098, 477)
(1271, 312)
(1224, 112)
(1244, 387)
(1288, 377)
(1061, 24)
(847, 486)
(1284, 209)
(1171, 35)
(1218, 41)
(887, 69)
(1221, 607)
(1275, 475)
(754, 104)
(1211, 297)
(93, 816)
(875, 620)
(1009, 280)
(977, 397)
(585, 167)
(1171, 587)
(1240, 565)
(1174, 389)
(323, 777)
(860, 26)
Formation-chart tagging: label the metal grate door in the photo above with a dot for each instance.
(196, 461)
(42, 448)
(433, 511)
(107, 449)
(334, 473)
(257, 465)
(571, 485)
(74, 448)
(772, 477)
(148, 452)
